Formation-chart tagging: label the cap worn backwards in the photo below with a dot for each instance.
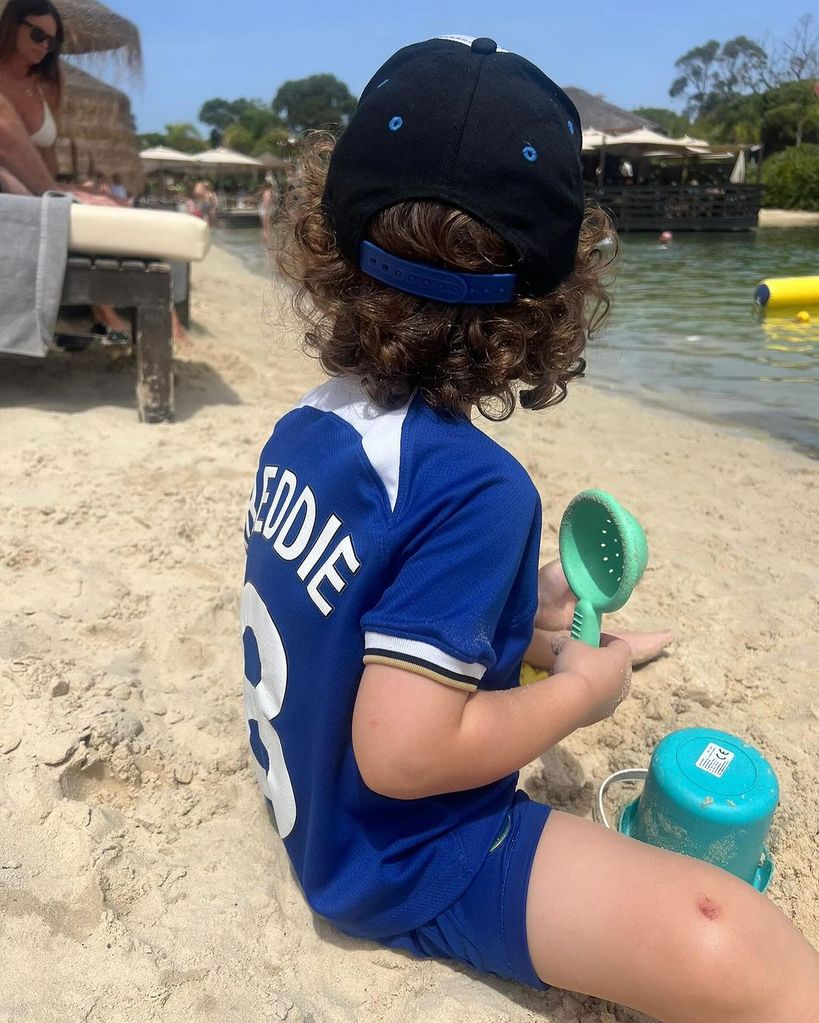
(473, 126)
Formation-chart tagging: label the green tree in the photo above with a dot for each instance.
(243, 122)
(730, 117)
(257, 118)
(320, 101)
(786, 115)
(791, 116)
(218, 113)
(698, 76)
(791, 178)
(670, 121)
(276, 141)
(743, 66)
(149, 139)
(184, 137)
(238, 137)
(737, 67)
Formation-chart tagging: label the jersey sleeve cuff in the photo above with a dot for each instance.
(423, 659)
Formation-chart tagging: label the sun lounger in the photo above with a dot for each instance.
(128, 233)
(122, 257)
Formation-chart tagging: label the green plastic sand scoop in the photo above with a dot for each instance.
(604, 553)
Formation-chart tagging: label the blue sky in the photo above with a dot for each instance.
(197, 50)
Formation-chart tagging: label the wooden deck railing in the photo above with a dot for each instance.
(682, 208)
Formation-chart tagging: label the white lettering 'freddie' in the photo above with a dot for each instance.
(288, 518)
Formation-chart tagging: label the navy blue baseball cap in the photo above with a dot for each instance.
(477, 127)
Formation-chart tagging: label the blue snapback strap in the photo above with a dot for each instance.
(425, 281)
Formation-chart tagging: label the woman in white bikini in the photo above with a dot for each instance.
(31, 34)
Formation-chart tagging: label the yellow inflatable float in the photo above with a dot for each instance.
(780, 292)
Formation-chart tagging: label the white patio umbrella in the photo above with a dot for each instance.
(593, 139)
(645, 143)
(228, 159)
(677, 154)
(644, 137)
(165, 158)
(222, 159)
(738, 173)
(692, 143)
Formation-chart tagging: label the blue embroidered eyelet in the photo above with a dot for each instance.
(571, 126)
(530, 153)
(395, 123)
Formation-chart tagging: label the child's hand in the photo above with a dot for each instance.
(606, 670)
(555, 609)
(555, 601)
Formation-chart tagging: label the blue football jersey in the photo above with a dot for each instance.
(400, 537)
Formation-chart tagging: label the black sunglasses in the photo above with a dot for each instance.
(39, 36)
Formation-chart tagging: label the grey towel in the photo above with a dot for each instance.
(33, 253)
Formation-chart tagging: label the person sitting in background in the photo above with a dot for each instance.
(97, 183)
(118, 190)
(31, 34)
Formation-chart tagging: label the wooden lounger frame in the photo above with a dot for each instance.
(144, 287)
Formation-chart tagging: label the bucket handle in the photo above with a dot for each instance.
(629, 774)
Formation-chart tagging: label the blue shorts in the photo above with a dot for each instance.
(486, 927)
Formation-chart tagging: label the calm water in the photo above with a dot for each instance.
(683, 333)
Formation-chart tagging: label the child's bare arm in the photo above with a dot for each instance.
(415, 737)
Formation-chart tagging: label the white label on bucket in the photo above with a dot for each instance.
(715, 760)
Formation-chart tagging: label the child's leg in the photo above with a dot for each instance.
(668, 935)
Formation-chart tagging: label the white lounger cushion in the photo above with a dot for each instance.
(140, 234)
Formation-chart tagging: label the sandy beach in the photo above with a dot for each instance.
(788, 218)
(140, 879)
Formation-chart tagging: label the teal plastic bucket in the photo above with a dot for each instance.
(709, 795)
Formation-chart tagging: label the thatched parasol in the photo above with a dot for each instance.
(91, 27)
(605, 116)
(97, 130)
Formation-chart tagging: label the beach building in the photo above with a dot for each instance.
(650, 182)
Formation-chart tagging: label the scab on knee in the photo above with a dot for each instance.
(709, 909)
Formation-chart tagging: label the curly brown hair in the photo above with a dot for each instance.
(456, 356)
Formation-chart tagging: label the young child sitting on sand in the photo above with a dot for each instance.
(444, 257)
